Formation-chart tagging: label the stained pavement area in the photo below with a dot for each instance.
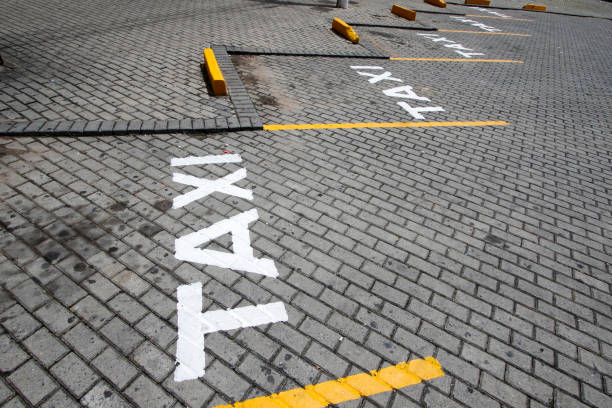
(486, 247)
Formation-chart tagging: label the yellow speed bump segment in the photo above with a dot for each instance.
(403, 12)
(437, 3)
(215, 76)
(537, 7)
(345, 30)
(349, 388)
(478, 2)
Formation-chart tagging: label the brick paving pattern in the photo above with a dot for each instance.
(485, 247)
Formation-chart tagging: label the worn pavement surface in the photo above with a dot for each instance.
(488, 248)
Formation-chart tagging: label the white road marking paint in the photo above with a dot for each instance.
(468, 54)
(476, 24)
(404, 91)
(241, 259)
(385, 76)
(415, 112)
(193, 325)
(491, 12)
(458, 48)
(206, 187)
(365, 67)
(215, 159)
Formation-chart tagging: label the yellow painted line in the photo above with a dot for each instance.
(349, 388)
(500, 18)
(381, 125)
(455, 59)
(217, 81)
(484, 32)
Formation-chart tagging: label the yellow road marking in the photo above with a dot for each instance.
(454, 59)
(484, 32)
(380, 125)
(500, 18)
(349, 388)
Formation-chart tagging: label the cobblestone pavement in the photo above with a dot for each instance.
(485, 247)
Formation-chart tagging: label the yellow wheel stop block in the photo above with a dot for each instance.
(437, 3)
(478, 2)
(537, 7)
(345, 30)
(403, 12)
(215, 76)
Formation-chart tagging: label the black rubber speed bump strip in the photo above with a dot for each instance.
(265, 51)
(402, 27)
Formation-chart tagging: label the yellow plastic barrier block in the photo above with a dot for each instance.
(345, 30)
(335, 392)
(366, 384)
(403, 12)
(426, 369)
(537, 7)
(214, 73)
(397, 378)
(300, 398)
(437, 3)
(478, 2)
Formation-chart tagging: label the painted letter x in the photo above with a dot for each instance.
(206, 187)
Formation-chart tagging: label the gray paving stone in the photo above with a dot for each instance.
(156, 363)
(191, 393)
(92, 311)
(5, 392)
(18, 322)
(32, 382)
(14, 403)
(11, 355)
(261, 373)
(226, 380)
(30, 294)
(56, 317)
(115, 367)
(156, 330)
(470, 397)
(146, 393)
(303, 372)
(45, 347)
(103, 395)
(121, 335)
(66, 291)
(127, 307)
(529, 385)
(74, 374)
(84, 341)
